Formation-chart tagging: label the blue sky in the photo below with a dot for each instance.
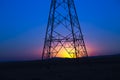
(23, 24)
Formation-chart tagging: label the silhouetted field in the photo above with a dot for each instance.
(94, 68)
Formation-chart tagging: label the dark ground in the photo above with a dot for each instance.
(95, 68)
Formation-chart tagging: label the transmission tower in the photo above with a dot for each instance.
(63, 33)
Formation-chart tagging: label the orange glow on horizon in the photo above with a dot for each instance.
(91, 49)
(64, 54)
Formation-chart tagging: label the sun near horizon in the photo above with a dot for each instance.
(69, 53)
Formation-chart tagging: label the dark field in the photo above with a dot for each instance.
(94, 68)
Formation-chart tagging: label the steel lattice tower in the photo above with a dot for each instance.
(63, 33)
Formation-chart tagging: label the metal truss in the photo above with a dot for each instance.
(63, 31)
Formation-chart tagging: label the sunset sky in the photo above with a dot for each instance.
(23, 24)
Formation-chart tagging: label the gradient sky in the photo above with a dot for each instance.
(23, 24)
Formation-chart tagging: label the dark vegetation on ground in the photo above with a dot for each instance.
(93, 68)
